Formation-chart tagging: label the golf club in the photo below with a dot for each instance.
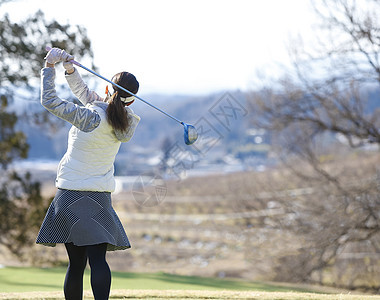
(190, 133)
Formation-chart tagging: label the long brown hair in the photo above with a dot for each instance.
(117, 115)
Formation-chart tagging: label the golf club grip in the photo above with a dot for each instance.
(72, 61)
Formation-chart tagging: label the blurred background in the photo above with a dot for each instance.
(283, 183)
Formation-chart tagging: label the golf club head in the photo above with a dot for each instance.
(190, 134)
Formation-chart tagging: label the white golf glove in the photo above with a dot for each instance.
(56, 55)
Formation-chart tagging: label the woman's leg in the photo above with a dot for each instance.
(73, 287)
(100, 271)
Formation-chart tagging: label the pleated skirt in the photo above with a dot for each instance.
(83, 218)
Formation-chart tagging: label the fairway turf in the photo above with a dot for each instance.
(51, 279)
(47, 283)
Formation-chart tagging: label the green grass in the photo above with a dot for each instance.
(14, 279)
(47, 283)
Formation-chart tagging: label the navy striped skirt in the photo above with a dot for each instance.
(82, 218)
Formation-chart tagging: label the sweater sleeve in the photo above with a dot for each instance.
(81, 117)
(80, 89)
(133, 119)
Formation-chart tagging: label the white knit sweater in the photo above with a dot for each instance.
(88, 164)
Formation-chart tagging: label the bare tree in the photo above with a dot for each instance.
(323, 116)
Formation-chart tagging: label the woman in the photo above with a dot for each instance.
(81, 214)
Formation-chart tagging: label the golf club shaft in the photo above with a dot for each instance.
(120, 87)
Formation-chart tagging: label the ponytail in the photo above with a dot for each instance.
(117, 115)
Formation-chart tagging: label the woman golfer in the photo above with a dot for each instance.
(81, 214)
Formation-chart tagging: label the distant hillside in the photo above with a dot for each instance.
(221, 117)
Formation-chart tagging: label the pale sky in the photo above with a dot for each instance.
(183, 47)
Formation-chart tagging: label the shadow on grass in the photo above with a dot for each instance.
(51, 279)
(171, 281)
(30, 279)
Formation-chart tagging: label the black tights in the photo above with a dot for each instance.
(100, 272)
